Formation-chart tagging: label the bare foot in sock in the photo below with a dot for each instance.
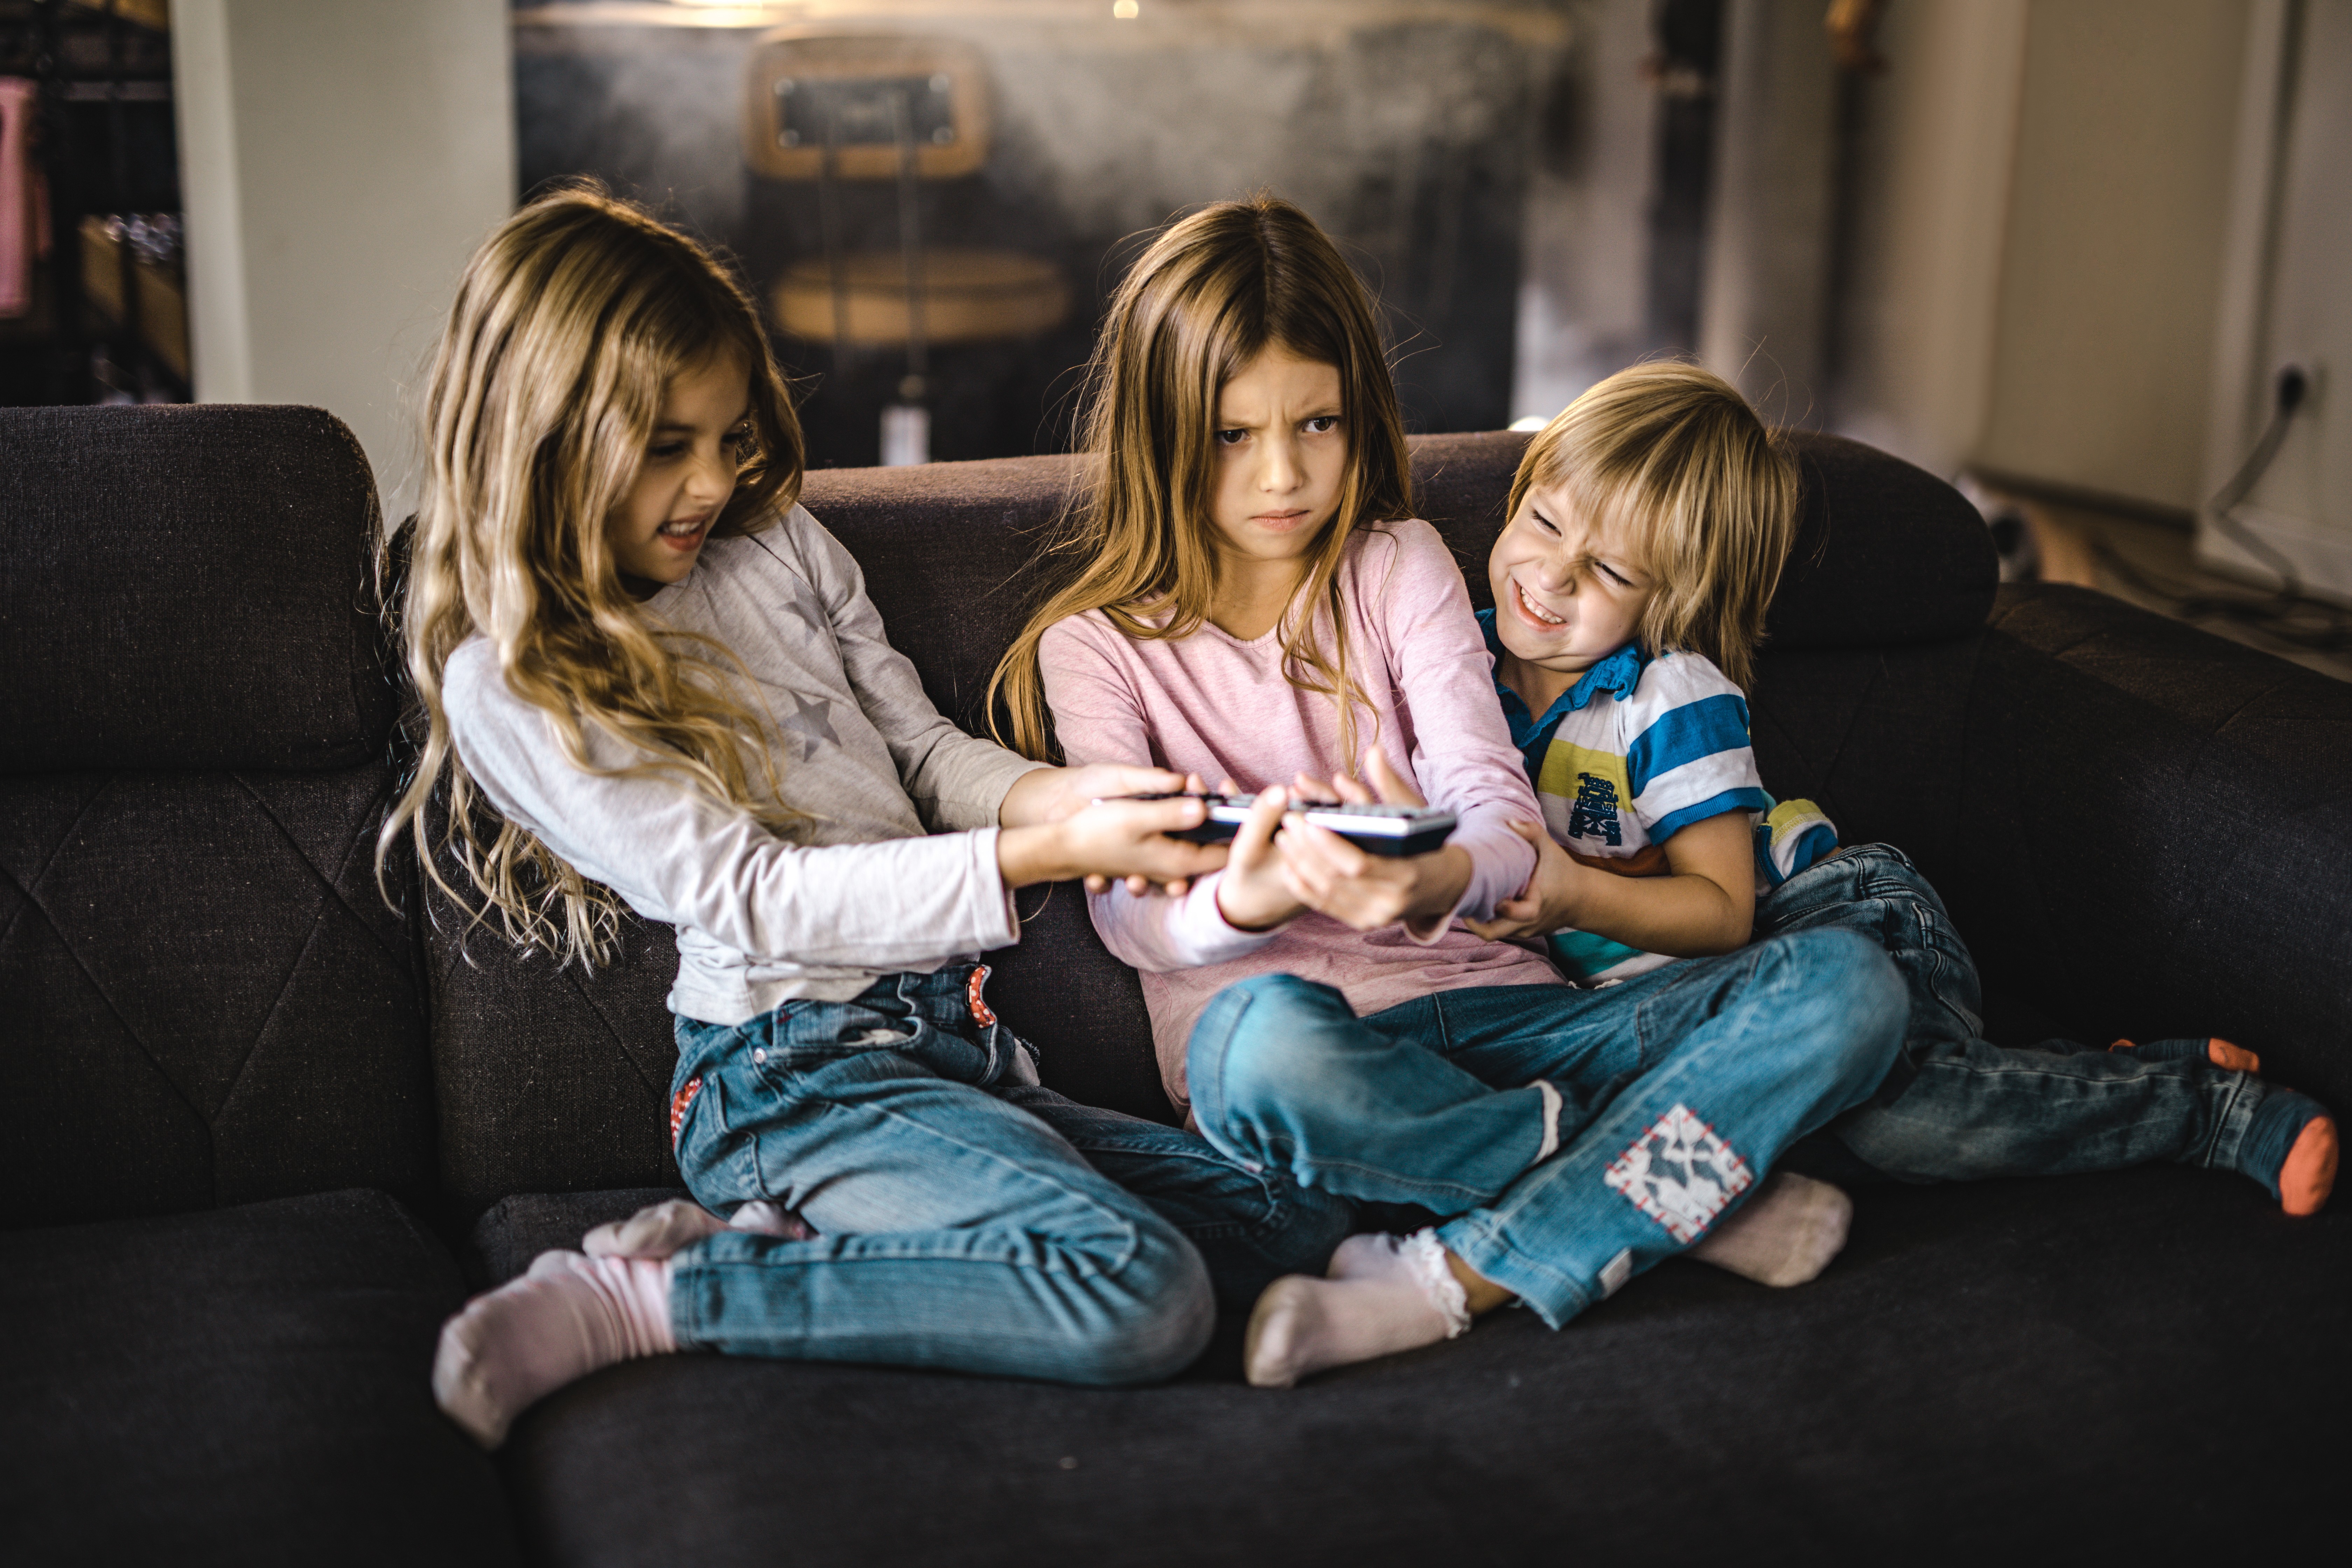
(664, 1227)
(2309, 1173)
(1784, 1236)
(1385, 1294)
(568, 1316)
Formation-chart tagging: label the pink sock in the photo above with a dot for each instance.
(662, 1228)
(566, 1318)
(1385, 1294)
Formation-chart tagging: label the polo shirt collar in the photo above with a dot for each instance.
(1618, 675)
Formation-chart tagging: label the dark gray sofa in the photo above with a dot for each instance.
(263, 1132)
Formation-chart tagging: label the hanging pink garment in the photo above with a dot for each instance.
(17, 238)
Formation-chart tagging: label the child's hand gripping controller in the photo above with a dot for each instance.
(1392, 830)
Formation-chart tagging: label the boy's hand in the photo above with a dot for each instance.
(1325, 872)
(1255, 894)
(1550, 900)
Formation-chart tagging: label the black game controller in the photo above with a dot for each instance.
(1392, 830)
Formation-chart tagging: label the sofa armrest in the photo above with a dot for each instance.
(2158, 825)
(2141, 829)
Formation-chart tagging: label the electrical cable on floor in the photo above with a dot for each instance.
(2288, 614)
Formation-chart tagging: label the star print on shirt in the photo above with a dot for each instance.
(810, 721)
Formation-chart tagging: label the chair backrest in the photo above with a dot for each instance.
(550, 1080)
(203, 998)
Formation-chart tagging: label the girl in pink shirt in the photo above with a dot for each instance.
(1246, 597)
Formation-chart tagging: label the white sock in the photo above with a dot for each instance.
(566, 1318)
(661, 1229)
(1385, 1294)
(1785, 1234)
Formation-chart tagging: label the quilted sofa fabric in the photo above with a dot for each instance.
(208, 1000)
(187, 587)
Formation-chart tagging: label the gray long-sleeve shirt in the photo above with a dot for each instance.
(895, 867)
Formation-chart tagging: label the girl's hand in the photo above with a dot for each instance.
(1049, 795)
(1325, 872)
(1255, 894)
(1111, 838)
(1053, 794)
(1552, 898)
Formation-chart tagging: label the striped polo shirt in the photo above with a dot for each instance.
(1636, 750)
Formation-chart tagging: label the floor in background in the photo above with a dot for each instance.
(2153, 564)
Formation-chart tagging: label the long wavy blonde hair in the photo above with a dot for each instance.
(570, 324)
(1706, 492)
(1214, 291)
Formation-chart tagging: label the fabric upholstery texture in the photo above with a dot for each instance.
(2139, 829)
(218, 555)
(2042, 1370)
(204, 997)
(243, 1387)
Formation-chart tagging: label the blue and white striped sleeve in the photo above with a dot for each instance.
(1688, 756)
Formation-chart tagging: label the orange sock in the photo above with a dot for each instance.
(2309, 1173)
(2237, 1058)
(2217, 1051)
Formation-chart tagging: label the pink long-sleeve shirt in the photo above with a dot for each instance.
(1214, 705)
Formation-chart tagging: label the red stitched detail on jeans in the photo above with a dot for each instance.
(677, 1104)
(980, 1011)
(1680, 1173)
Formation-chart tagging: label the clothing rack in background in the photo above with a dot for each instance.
(90, 217)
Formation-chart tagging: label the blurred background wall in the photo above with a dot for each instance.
(2064, 244)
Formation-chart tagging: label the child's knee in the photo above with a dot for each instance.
(1162, 1313)
(1256, 1043)
(1850, 994)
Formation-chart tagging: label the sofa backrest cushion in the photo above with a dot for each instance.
(203, 998)
(169, 597)
(555, 1079)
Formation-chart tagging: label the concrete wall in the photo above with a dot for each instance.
(1931, 191)
(2111, 257)
(1764, 304)
(339, 161)
(1583, 288)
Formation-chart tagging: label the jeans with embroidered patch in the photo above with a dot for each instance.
(1959, 1108)
(965, 1216)
(1574, 1137)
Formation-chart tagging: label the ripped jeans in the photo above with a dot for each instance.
(965, 1216)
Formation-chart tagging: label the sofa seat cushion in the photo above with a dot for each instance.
(243, 1385)
(2147, 1362)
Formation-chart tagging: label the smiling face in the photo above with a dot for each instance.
(690, 464)
(1567, 594)
(1281, 457)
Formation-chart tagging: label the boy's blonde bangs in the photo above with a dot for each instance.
(1675, 462)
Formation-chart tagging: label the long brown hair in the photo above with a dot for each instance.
(1705, 493)
(1214, 291)
(570, 324)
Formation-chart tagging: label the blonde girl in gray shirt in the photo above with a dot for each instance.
(649, 677)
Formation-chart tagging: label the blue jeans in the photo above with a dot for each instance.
(1669, 1097)
(966, 1218)
(1959, 1108)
